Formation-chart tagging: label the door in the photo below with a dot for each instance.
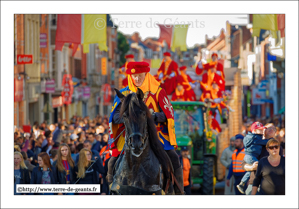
(55, 115)
(33, 112)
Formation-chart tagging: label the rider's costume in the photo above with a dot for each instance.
(155, 99)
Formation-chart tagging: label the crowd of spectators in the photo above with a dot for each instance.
(46, 144)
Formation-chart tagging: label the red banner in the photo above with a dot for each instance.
(107, 93)
(165, 34)
(68, 30)
(18, 90)
(24, 59)
(68, 89)
(281, 24)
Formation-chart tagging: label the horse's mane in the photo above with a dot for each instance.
(154, 141)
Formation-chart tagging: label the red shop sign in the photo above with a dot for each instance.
(68, 89)
(56, 102)
(18, 90)
(24, 59)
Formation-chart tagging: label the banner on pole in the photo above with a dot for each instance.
(68, 88)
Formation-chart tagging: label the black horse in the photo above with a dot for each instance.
(144, 168)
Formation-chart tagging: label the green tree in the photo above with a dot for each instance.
(123, 47)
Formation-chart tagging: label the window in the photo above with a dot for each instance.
(53, 60)
(53, 21)
(46, 21)
(77, 68)
(27, 49)
(36, 41)
(32, 33)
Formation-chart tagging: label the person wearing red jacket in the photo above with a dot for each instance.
(206, 97)
(201, 68)
(219, 66)
(209, 77)
(213, 123)
(123, 68)
(167, 74)
(218, 97)
(180, 93)
(188, 83)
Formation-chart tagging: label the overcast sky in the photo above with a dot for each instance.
(200, 25)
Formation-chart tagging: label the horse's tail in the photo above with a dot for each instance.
(159, 151)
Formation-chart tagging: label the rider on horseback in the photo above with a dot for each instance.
(158, 103)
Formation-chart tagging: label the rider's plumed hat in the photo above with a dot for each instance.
(137, 67)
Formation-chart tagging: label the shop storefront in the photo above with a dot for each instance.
(34, 103)
(57, 107)
(19, 111)
(85, 101)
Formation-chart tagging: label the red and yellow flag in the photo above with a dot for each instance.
(174, 35)
(82, 29)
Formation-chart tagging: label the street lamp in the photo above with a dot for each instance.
(24, 74)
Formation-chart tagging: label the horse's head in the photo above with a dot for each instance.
(135, 114)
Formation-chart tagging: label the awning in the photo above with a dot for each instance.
(281, 110)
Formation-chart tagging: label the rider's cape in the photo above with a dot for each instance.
(116, 129)
(156, 99)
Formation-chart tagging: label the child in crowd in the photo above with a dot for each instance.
(253, 143)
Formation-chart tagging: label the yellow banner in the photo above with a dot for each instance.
(155, 63)
(179, 36)
(94, 31)
(266, 22)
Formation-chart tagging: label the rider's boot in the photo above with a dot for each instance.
(111, 164)
(178, 174)
(178, 171)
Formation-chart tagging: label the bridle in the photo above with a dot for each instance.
(133, 134)
(145, 137)
(144, 144)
